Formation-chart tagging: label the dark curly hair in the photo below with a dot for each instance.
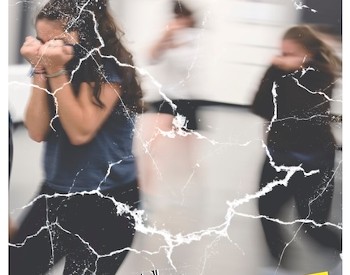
(96, 28)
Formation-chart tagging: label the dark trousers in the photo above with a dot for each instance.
(303, 190)
(85, 229)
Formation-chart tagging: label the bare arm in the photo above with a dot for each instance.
(166, 41)
(160, 46)
(37, 115)
(79, 116)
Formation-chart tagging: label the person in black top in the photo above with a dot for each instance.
(294, 96)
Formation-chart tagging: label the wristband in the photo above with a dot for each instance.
(34, 71)
(60, 72)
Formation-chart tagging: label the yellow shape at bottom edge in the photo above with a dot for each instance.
(319, 273)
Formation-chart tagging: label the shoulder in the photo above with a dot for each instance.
(314, 75)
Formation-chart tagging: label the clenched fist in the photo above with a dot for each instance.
(30, 50)
(51, 56)
(55, 54)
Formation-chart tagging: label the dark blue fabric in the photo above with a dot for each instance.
(106, 162)
(317, 159)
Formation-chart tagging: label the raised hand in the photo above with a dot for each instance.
(55, 54)
(30, 50)
(290, 63)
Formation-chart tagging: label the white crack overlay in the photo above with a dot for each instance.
(175, 240)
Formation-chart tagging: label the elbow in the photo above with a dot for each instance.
(35, 134)
(38, 137)
(38, 134)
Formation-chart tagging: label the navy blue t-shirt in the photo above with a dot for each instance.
(104, 163)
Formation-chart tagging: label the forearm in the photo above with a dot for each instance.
(76, 119)
(157, 50)
(161, 46)
(37, 115)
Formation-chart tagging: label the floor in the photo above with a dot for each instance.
(188, 183)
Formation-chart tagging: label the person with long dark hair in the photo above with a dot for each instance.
(84, 101)
(294, 96)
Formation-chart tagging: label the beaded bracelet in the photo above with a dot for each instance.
(34, 71)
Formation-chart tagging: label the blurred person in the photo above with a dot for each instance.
(176, 47)
(300, 135)
(174, 50)
(83, 106)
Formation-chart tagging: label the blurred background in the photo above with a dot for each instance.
(188, 180)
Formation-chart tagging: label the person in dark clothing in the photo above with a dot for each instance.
(294, 96)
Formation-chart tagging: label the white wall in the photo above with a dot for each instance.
(13, 30)
(18, 90)
(238, 39)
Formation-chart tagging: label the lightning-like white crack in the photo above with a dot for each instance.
(275, 111)
(110, 165)
(179, 124)
(274, 118)
(48, 226)
(207, 254)
(299, 5)
(315, 92)
(75, 178)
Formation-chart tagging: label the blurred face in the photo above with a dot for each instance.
(47, 30)
(291, 48)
